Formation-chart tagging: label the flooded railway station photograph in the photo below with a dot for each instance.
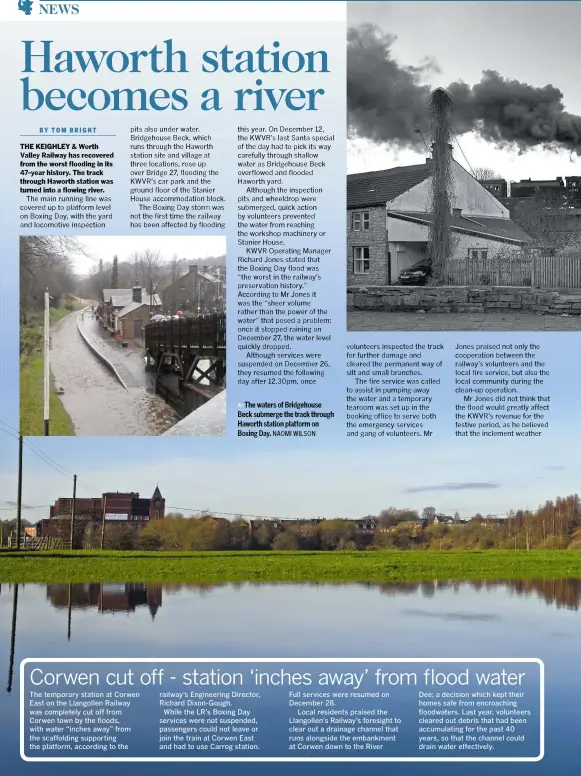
(122, 336)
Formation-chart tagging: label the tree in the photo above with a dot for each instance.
(46, 263)
(486, 174)
(286, 540)
(429, 513)
(439, 248)
(147, 267)
(545, 222)
(115, 273)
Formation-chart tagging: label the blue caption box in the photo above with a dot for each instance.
(282, 709)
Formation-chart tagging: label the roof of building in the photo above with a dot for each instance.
(119, 297)
(501, 229)
(156, 494)
(208, 277)
(205, 275)
(129, 308)
(368, 189)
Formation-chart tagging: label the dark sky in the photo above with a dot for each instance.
(532, 42)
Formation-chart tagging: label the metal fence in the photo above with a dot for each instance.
(206, 333)
(516, 269)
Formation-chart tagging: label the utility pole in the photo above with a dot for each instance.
(19, 494)
(73, 509)
(46, 362)
(103, 522)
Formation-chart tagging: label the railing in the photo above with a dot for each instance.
(516, 270)
(207, 333)
(41, 542)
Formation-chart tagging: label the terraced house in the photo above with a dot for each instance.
(389, 219)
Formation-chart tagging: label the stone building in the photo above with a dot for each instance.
(117, 508)
(389, 219)
(200, 291)
(122, 303)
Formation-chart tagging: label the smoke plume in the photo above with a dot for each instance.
(388, 102)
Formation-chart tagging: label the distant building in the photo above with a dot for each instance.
(200, 291)
(367, 525)
(498, 187)
(127, 310)
(552, 189)
(117, 509)
(573, 191)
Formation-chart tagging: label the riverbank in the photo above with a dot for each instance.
(32, 379)
(270, 566)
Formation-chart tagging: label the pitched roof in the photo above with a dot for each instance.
(502, 229)
(368, 189)
(156, 494)
(129, 308)
(120, 297)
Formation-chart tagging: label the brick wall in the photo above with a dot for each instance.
(375, 238)
(463, 299)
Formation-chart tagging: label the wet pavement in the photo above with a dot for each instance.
(128, 362)
(95, 400)
(372, 320)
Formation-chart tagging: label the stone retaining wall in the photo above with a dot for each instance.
(463, 299)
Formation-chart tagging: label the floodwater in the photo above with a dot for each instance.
(540, 619)
(96, 402)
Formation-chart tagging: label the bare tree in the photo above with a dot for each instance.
(147, 266)
(486, 174)
(548, 225)
(46, 263)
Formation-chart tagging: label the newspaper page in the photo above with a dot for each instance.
(290, 333)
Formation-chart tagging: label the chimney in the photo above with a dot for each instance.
(428, 160)
(194, 269)
(204, 267)
(137, 293)
(457, 212)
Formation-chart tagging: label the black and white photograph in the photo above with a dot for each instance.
(122, 336)
(464, 173)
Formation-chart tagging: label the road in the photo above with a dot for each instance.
(372, 320)
(96, 402)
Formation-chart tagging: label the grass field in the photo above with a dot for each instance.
(389, 566)
(31, 384)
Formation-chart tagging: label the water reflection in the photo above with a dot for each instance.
(12, 638)
(127, 596)
(106, 597)
(516, 618)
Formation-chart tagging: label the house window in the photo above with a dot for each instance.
(360, 221)
(478, 253)
(360, 261)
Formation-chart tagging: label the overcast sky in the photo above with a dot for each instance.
(536, 43)
(105, 248)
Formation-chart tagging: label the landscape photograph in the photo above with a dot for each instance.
(144, 552)
(122, 336)
(464, 182)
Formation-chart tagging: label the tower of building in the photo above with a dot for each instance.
(157, 505)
